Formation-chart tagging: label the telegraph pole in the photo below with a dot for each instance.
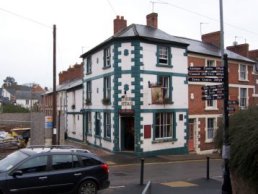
(54, 87)
(226, 185)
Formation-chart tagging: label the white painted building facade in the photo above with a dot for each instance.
(136, 92)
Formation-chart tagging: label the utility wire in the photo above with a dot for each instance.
(111, 6)
(26, 18)
(210, 18)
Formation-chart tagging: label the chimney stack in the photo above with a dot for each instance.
(119, 24)
(152, 20)
(253, 54)
(212, 38)
(241, 49)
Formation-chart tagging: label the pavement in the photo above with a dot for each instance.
(195, 186)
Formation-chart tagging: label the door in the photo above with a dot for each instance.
(127, 133)
(31, 177)
(191, 131)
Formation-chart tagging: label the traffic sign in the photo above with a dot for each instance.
(199, 79)
(233, 102)
(210, 87)
(231, 109)
(212, 92)
(202, 68)
(220, 97)
(220, 73)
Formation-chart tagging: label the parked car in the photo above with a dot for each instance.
(54, 169)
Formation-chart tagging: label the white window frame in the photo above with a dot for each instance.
(89, 123)
(214, 128)
(162, 126)
(243, 100)
(243, 73)
(163, 55)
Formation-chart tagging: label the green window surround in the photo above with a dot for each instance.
(164, 56)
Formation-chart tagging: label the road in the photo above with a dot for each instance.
(122, 176)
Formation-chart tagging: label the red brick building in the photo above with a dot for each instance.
(205, 115)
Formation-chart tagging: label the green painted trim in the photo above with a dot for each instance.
(116, 84)
(171, 151)
(135, 73)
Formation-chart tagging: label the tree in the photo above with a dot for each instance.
(9, 81)
(243, 136)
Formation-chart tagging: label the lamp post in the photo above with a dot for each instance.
(226, 185)
(54, 87)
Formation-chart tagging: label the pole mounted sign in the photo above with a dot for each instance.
(206, 73)
(200, 79)
(202, 68)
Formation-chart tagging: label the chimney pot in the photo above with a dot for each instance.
(119, 24)
(152, 20)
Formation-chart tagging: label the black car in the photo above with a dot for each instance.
(55, 169)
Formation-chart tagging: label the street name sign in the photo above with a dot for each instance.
(206, 74)
(200, 79)
(202, 68)
(213, 97)
(210, 87)
(233, 102)
(212, 92)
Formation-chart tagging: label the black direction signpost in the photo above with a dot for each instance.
(200, 79)
(233, 102)
(218, 97)
(210, 87)
(202, 68)
(220, 73)
(212, 92)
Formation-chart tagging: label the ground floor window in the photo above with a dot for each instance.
(107, 125)
(210, 129)
(163, 125)
(97, 124)
(89, 123)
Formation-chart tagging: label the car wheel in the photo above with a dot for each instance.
(87, 187)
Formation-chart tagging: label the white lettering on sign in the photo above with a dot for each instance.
(126, 103)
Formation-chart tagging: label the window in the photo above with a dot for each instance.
(242, 72)
(88, 91)
(88, 65)
(89, 123)
(210, 128)
(107, 57)
(107, 125)
(165, 83)
(64, 161)
(163, 55)
(97, 124)
(37, 164)
(210, 63)
(163, 125)
(243, 98)
(89, 161)
(107, 88)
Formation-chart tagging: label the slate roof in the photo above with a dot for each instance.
(200, 47)
(148, 33)
(67, 86)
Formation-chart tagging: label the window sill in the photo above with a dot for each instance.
(107, 139)
(211, 109)
(164, 103)
(164, 65)
(106, 67)
(97, 136)
(209, 141)
(243, 80)
(164, 140)
(88, 73)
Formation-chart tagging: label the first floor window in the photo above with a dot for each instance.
(163, 125)
(88, 91)
(107, 88)
(107, 125)
(210, 128)
(243, 72)
(163, 53)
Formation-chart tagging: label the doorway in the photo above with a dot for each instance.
(191, 136)
(127, 133)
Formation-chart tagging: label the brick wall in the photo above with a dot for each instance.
(73, 73)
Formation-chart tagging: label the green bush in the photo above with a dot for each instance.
(11, 108)
(243, 134)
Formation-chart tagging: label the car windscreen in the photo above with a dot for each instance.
(11, 160)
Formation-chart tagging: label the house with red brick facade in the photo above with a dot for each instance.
(204, 115)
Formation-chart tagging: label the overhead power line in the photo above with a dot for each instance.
(25, 18)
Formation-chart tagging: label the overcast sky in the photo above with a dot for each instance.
(26, 29)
